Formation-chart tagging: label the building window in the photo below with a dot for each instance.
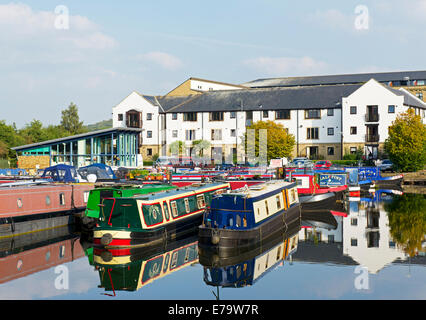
(174, 134)
(313, 114)
(216, 116)
(312, 133)
(330, 151)
(330, 131)
(174, 116)
(354, 242)
(120, 117)
(149, 116)
(233, 132)
(149, 152)
(190, 116)
(330, 112)
(353, 110)
(190, 135)
(353, 150)
(353, 130)
(391, 109)
(354, 221)
(232, 115)
(265, 114)
(216, 134)
(282, 115)
(149, 134)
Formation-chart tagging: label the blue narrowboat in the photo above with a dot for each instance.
(247, 270)
(241, 219)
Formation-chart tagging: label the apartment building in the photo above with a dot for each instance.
(327, 120)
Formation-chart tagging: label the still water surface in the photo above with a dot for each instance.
(375, 249)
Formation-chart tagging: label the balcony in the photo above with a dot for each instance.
(369, 138)
(372, 117)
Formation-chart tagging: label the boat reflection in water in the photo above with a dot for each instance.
(24, 255)
(131, 269)
(248, 267)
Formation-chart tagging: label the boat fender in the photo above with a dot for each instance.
(215, 237)
(106, 239)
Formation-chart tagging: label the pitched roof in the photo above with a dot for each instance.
(336, 79)
(266, 99)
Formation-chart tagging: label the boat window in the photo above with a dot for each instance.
(187, 209)
(279, 253)
(230, 220)
(166, 262)
(187, 252)
(86, 196)
(48, 200)
(166, 210)
(238, 221)
(200, 201)
(62, 199)
(174, 209)
(244, 221)
(19, 203)
(266, 207)
(278, 202)
(174, 260)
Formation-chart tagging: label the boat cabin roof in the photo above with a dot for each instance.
(180, 191)
(261, 189)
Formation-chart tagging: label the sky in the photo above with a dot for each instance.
(95, 53)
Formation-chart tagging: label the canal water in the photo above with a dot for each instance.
(372, 248)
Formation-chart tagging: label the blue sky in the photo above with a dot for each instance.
(112, 48)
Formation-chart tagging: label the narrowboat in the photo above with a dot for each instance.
(247, 270)
(132, 269)
(30, 207)
(28, 254)
(97, 195)
(241, 219)
(143, 220)
(312, 195)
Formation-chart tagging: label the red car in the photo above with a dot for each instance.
(323, 164)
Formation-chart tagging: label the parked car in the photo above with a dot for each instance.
(386, 165)
(301, 163)
(323, 164)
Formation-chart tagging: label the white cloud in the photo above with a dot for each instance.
(283, 66)
(163, 59)
(20, 24)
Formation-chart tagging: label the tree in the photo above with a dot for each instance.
(200, 146)
(407, 222)
(406, 145)
(279, 143)
(177, 147)
(71, 121)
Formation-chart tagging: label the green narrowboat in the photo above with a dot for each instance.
(99, 193)
(143, 220)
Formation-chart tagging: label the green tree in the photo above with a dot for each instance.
(200, 146)
(407, 221)
(406, 145)
(71, 121)
(177, 147)
(279, 143)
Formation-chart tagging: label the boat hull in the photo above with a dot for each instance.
(121, 239)
(231, 242)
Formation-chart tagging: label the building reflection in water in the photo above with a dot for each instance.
(363, 237)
